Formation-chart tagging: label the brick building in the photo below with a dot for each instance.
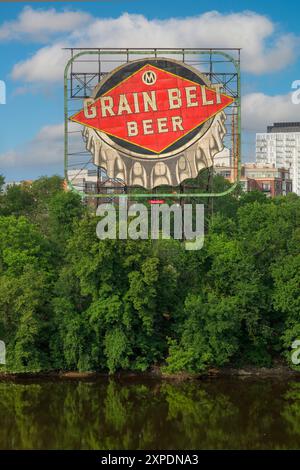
(262, 177)
(266, 178)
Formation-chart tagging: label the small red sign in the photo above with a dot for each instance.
(157, 201)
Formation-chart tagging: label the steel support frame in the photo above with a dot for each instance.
(225, 52)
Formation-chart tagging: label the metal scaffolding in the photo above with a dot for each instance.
(86, 67)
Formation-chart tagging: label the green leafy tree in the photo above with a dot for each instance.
(18, 200)
(25, 280)
(69, 301)
(2, 182)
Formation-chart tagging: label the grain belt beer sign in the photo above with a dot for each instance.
(154, 122)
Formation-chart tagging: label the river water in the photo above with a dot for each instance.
(131, 413)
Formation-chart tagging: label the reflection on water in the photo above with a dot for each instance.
(150, 414)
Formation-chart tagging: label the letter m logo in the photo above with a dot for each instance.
(149, 77)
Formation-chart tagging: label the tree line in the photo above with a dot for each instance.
(69, 301)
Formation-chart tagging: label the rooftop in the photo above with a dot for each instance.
(284, 127)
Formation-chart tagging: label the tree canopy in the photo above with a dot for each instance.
(69, 301)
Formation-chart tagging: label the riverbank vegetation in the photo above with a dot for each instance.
(69, 301)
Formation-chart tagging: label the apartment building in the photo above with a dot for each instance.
(280, 146)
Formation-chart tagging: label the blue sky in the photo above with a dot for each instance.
(32, 35)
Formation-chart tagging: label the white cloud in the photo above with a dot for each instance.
(259, 110)
(247, 30)
(45, 148)
(39, 25)
(45, 66)
(264, 49)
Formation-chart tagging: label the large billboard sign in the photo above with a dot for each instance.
(154, 122)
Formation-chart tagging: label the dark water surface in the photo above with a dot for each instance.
(150, 414)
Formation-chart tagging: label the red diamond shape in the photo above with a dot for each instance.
(150, 115)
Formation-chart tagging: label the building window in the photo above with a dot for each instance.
(266, 186)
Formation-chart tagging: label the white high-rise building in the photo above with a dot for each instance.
(280, 145)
